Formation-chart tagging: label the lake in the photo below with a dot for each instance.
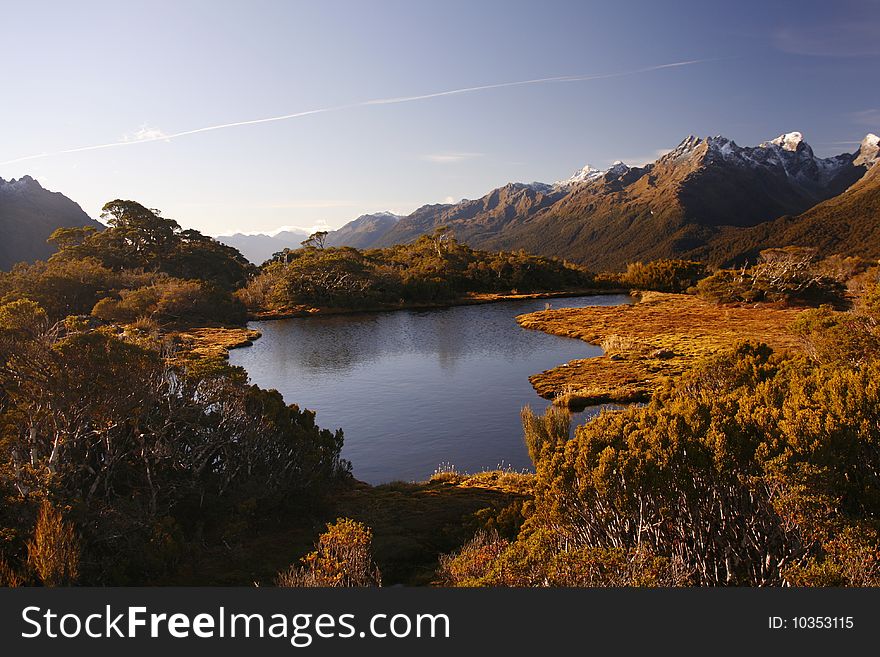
(414, 389)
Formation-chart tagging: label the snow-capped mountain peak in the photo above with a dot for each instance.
(589, 174)
(20, 186)
(581, 175)
(869, 151)
(618, 168)
(790, 141)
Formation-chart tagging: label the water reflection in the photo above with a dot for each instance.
(412, 389)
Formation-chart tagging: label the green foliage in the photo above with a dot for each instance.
(545, 558)
(139, 238)
(172, 301)
(142, 266)
(663, 275)
(66, 287)
(23, 316)
(849, 339)
(435, 268)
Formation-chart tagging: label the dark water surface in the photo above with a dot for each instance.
(416, 388)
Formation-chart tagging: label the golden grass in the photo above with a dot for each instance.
(213, 342)
(660, 336)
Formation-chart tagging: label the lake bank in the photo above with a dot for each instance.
(659, 336)
(217, 341)
(467, 300)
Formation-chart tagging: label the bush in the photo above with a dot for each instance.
(791, 275)
(172, 301)
(53, 553)
(663, 275)
(435, 268)
(109, 428)
(752, 469)
(343, 558)
(468, 566)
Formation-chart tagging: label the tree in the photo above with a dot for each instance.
(316, 240)
(141, 238)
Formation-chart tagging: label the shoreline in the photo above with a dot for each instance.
(218, 341)
(472, 300)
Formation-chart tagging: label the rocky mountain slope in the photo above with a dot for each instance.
(848, 223)
(28, 215)
(708, 199)
(365, 231)
(674, 207)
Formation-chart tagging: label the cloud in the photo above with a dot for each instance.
(834, 39)
(449, 200)
(866, 117)
(307, 205)
(367, 103)
(450, 158)
(145, 133)
(642, 160)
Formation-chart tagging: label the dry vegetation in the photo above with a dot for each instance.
(412, 524)
(659, 337)
(214, 342)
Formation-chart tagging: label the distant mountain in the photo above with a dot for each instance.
(28, 215)
(707, 199)
(260, 247)
(365, 231)
(361, 233)
(677, 206)
(848, 223)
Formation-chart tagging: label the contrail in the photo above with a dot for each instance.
(365, 103)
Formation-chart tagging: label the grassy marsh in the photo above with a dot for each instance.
(660, 336)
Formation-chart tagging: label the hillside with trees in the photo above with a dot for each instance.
(118, 458)
(436, 268)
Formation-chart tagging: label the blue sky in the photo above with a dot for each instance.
(92, 73)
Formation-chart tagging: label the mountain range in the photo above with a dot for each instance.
(259, 247)
(360, 233)
(28, 215)
(707, 199)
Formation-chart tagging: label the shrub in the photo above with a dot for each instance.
(752, 469)
(172, 301)
(791, 274)
(545, 431)
(663, 275)
(53, 553)
(130, 440)
(468, 566)
(434, 268)
(343, 558)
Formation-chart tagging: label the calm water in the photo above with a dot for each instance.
(414, 389)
